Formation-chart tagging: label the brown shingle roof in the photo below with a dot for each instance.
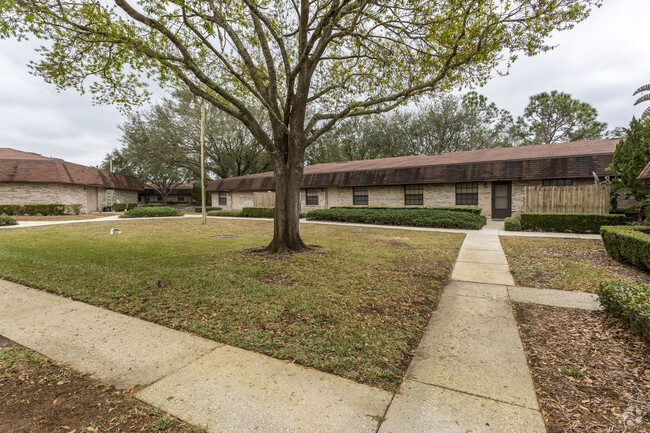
(645, 173)
(183, 187)
(544, 161)
(19, 166)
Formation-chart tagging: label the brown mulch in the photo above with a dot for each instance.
(613, 395)
(38, 395)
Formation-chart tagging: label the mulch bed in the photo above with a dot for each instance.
(38, 395)
(564, 344)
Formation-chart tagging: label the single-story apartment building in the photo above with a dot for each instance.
(180, 193)
(493, 179)
(30, 178)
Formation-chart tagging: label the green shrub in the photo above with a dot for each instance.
(227, 212)
(73, 209)
(512, 224)
(7, 221)
(470, 209)
(419, 217)
(631, 302)
(569, 222)
(45, 209)
(207, 208)
(11, 209)
(151, 211)
(628, 244)
(121, 207)
(258, 212)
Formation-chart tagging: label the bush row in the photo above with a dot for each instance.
(568, 222)
(258, 212)
(7, 221)
(631, 302)
(39, 209)
(120, 207)
(422, 217)
(628, 244)
(512, 224)
(207, 208)
(470, 209)
(226, 212)
(151, 211)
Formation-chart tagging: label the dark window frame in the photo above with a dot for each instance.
(360, 196)
(557, 182)
(467, 194)
(311, 196)
(223, 198)
(413, 195)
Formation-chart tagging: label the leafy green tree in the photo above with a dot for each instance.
(631, 156)
(556, 117)
(305, 65)
(643, 98)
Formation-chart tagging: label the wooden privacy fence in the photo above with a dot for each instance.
(568, 199)
(264, 199)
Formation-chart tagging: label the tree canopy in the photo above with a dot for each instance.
(556, 117)
(305, 65)
(631, 156)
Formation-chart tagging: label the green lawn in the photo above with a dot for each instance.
(357, 307)
(564, 264)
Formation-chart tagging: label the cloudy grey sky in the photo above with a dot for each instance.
(601, 61)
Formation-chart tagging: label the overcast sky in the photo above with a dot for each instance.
(601, 61)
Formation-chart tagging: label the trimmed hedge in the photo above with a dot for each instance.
(74, 209)
(631, 302)
(7, 221)
(44, 209)
(628, 244)
(569, 222)
(419, 217)
(207, 208)
(227, 212)
(148, 212)
(121, 207)
(512, 224)
(11, 209)
(258, 212)
(470, 209)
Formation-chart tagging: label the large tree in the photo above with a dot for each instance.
(631, 156)
(556, 117)
(306, 65)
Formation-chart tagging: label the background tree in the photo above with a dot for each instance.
(643, 98)
(149, 152)
(556, 117)
(631, 156)
(306, 65)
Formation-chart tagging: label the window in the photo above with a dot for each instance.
(311, 197)
(467, 193)
(557, 182)
(360, 195)
(181, 198)
(413, 195)
(223, 198)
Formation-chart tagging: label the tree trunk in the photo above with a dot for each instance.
(286, 226)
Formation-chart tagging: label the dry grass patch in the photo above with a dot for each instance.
(357, 307)
(565, 264)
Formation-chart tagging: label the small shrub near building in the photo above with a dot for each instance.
(150, 212)
(226, 212)
(11, 209)
(121, 207)
(258, 212)
(631, 302)
(512, 224)
(628, 244)
(7, 221)
(74, 209)
(418, 217)
(569, 222)
(45, 209)
(207, 208)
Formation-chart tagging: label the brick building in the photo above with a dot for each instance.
(493, 179)
(181, 193)
(30, 178)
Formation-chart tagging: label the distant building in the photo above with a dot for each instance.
(181, 193)
(30, 178)
(493, 179)
(645, 174)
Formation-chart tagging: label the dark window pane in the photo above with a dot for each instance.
(311, 197)
(360, 195)
(413, 195)
(467, 193)
(223, 199)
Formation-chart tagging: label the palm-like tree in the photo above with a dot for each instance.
(643, 98)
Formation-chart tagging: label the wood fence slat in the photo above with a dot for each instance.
(567, 199)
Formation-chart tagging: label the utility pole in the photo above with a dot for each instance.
(204, 215)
